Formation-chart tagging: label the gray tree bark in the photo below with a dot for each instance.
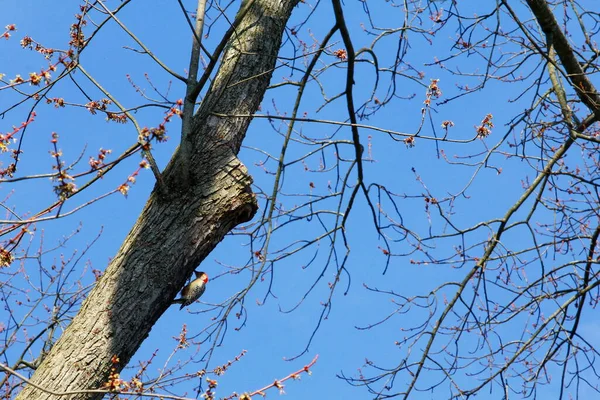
(179, 226)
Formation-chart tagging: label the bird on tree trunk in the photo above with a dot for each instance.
(193, 290)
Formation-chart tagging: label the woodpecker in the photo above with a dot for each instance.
(193, 290)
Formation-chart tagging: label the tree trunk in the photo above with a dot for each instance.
(179, 225)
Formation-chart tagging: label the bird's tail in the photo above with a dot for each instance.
(179, 301)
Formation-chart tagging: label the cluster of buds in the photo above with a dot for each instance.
(35, 78)
(221, 369)
(433, 91)
(342, 54)
(58, 102)
(124, 187)
(98, 163)
(485, 129)
(76, 34)
(6, 257)
(10, 169)
(5, 138)
(8, 29)
(118, 118)
(146, 135)
(28, 43)
(447, 124)
(278, 384)
(182, 338)
(100, 105)
(116, 384)
(66, 183)
(210, 391)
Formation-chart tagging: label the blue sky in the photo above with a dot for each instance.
(270, 336)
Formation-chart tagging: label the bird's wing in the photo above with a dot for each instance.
(185, 290)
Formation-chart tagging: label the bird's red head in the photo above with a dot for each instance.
(201, 275)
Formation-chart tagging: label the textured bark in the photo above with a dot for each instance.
(579, 79)
(177, 228)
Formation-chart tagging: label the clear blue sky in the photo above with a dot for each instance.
(269, 335)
